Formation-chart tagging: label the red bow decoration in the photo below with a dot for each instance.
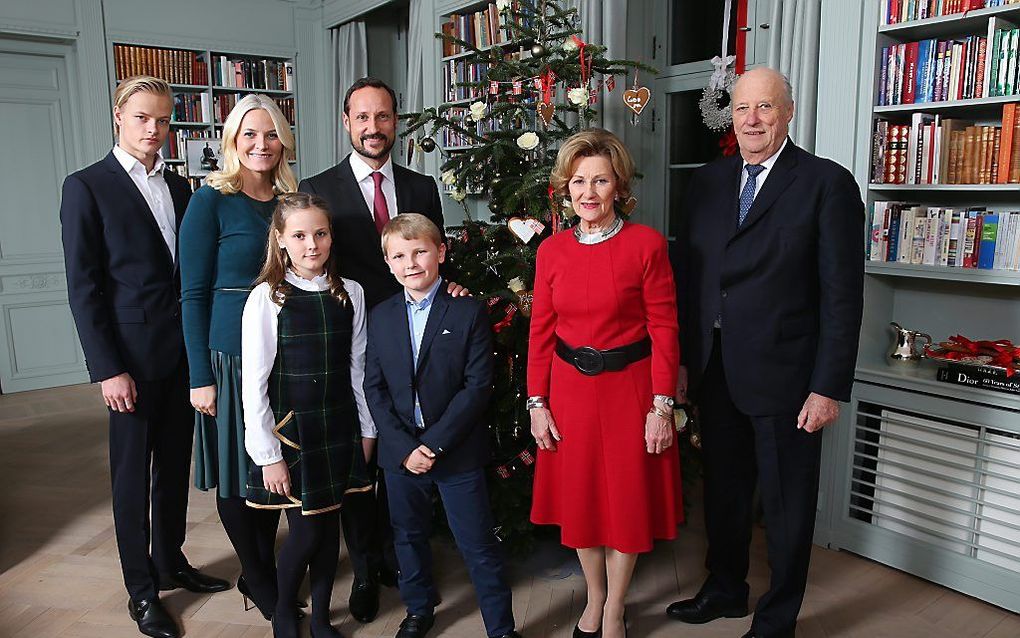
(1002, 352)
(511, 310)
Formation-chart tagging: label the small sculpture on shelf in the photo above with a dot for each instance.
(905, 348)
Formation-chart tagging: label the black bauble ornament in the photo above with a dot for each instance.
(538, 50)
(427, 144)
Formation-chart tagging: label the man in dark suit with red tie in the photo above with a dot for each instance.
(119, 219)
(770, 284)
(364, 191)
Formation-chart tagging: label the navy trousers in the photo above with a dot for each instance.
(739, 451)
(466, 500)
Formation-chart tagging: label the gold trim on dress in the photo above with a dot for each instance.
(283, 439)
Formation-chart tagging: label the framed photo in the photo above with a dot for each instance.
(204, 156)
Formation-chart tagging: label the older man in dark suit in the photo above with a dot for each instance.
(770, 284)
(119, 219)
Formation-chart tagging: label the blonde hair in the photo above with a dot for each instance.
(139, 84)
(277, 260)
(228, 179)
(590, 143)
(411, 226)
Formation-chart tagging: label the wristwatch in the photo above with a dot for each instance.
(666, 400)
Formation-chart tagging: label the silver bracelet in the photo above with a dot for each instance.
(537, 401)
(659, 413)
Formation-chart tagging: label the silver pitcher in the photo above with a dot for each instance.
(905, 348)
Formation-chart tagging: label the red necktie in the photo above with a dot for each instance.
(381, 210)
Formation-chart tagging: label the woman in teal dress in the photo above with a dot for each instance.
(222, 240)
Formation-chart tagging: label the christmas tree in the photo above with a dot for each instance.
(535, 87)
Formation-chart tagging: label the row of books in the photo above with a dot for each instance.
(191, 107)
(173, 65)
(247, 73)
(938, 236)
(175, 146)
(933, 71)
(458, 76)
(937, 150)
(223, 103)
(453, 139)
(482, 28)
(896, 11)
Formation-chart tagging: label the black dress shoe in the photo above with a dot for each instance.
(364, 601)
(193, 580)
(705, 608)
(415, 626)
(751, 634)
(580, 633)
(152, 619)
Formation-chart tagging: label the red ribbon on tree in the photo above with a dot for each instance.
(554, 214)
(546, 81)
(585, 65)
(511, 310)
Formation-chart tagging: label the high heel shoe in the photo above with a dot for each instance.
(580, 633)
(246, 597)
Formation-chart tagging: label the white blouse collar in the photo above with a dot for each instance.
(320, 282)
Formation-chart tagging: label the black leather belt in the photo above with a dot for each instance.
(590, 361)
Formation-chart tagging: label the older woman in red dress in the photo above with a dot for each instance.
(602, 368)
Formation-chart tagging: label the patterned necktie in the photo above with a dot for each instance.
(381, 211)
(747, 194)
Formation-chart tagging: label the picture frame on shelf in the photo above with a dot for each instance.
(203, 155)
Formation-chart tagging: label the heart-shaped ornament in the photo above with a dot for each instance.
(637, 99)
(521, 229)
(628, 206)
(545, 111)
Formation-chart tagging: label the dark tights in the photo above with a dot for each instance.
(312, 546)
(252, 532)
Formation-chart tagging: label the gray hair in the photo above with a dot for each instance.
(787, 86)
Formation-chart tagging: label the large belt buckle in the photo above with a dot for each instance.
(589, 361)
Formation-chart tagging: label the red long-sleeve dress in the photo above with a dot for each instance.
(601, 486)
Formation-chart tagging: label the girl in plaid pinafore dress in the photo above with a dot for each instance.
(302, 368)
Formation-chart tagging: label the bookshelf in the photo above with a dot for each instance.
(206, 83)
(918, 462)
(481, 24)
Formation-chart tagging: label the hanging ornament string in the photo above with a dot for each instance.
(723, 76)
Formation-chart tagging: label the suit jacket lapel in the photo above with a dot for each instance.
(439, 306)
(402, 186)
(401, 326)
(778, 180)
(350, 191)
(142, 206)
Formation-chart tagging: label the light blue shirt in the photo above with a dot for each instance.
(417, 318)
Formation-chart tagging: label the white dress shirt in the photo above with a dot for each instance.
(363, 175)
(155, 192)
(258, 355)
(768, 164)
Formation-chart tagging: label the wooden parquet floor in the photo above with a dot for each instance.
(59, 574)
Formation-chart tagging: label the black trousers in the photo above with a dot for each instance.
(367, 531)
(150, 461)
(740, 450)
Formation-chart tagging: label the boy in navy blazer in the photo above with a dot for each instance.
(428, 380)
